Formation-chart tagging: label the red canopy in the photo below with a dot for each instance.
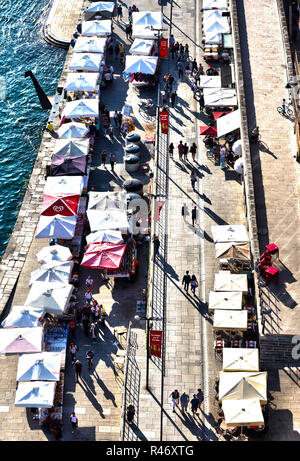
(219, 114)
(205, 130)
(103, 256)
(65, 205)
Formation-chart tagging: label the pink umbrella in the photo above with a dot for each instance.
(106, 256)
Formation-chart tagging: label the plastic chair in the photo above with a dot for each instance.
(272, 273)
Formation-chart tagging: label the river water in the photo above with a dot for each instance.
(22, 119)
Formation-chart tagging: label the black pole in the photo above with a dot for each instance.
(45, 103)
(147, 367)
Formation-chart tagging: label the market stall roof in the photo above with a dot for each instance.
(141, 47)
(81, 108)
(106, 256)
(65, 205)
(90, 45)
(57, 226)
(107, 219)
(225, 281)
(216, 14)
(237, 147)
(71, 147)
(243, 386)
(52, 297)
(220, 97)
(216, 25)
(37, 394)
(99, 7)
(107, 200)
(240, 359)
(21, 340)
(54, 253)
(72, 130)
(146, 32)
(23, 317)
(86, 62)
(212, 38)
(111, 236)
(96, 28)
(64, 185)
(53, 273)
(43, 366)
(239, 165)
(144, 64)
(218, 4)
(219, 114)
(232, 250)
(226, 300)
(148, 18)
(230, 320)
(243, 412)
(210, 81)
(208, 130)
(85, 81)
(72, 166)
(229, 233)
(229, 123)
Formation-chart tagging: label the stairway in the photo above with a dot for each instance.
(279, 350)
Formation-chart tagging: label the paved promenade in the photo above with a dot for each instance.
(62, 20)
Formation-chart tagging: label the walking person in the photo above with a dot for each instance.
(156, 245)
(193, 179)
(184, 400)
(89, 282)
(175, 399)
(194, 66)
(173, 97)
(201, 102)
(93, 332)
(129, 13)
(186, 280)
(180, 68)
(193, 150)
(176, 48)
(112, 159)
(283, 107)
(103, 158)
(194, 215)
(171, 150)
(120, 12)
(86, 323)
(73, 421)
(200, 397)
(185, 151)
(194, 284)
(111, 133)
(88, 296)
(115, 117)
(73, 351)
(78, 370)
(120, 119)
(180, 148)
(194, 404)
(89, 358)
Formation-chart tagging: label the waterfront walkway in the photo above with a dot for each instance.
(62, 20)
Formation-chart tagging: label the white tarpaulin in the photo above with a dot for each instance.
(210, 81)
(239, 166)
(229, 233)
(240, 359)
(21, 340)
(110, 236)
(230, 320)
(215, 14)
(86, 62)
(56, 226)
(148, 18)
(141, 47)
(144, 64)
(101, 7)
(225, 300)
(237, 147)
(71, 147)
(218, 26)
(228, 123)
(37, 394)
(90, 45)
(212, 38)
(107, 200)
(143, 32)
(54, 253)
(53, 272)
(225, 281)
(220, 97)
(210, 4)
(53, 298)
(96, 28)
(23, 317)
(72, 130)
(81, 81)
(57, 185)
(243, 412)
(107, 219)
(243, 386)
(81, 108)
(43, 366)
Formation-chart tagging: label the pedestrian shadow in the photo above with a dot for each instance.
(263, 147)
(167, 267)
(191, 424)
(180, 166)
(83, 384)
(204, 167)
(107, 393)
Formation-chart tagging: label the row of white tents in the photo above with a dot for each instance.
(214, 23)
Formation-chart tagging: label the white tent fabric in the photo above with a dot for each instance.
(243, 386)
(71, 147)
(72, 130)
(144, 64)
(63, 185)
(52, 273)
(148, 18)
(107, 219)
(243, 412)
(229, 233)
(239, 166)
(37, 394)
(210, 4)
(210, 81)
(145, 32)
(43, 366)
(240, 359)
(81, 108)
(81, 82)
(21, 340)
(107, 200)
(218, 26)
(225, 300)
(54, 253)
(219, 97)
(99, 7)
(237, 147)
(215, 14)
(225, 281)
(96, 28)
(230, 320)
(111, 236)
(23, 317)
(90, 45)
(56, 226)
(89, 62)
(141, 47)
(212, 38)
(228, 123)
(53, 298)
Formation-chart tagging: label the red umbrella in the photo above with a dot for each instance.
(219, 114)
(103, 256)
(65, 205)
(208, 130)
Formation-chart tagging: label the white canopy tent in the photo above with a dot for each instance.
(88, 62)
(243, 386)
(52, 297)
(111, 236)
(72, 130)
(239, 166)
(229, 233)
(21, 340)
(54, 253)
(212, 38)
(81, 108)
(96, 28)
(220, 97)
(243, 412)
(210, 81)
(144, 64)
(230, 320)
(145, 32)
(81, 81)
(228, 123)
(237, 147)
(212, 13)
(216, 25)
(148, 18)
(23, 317)
(240, 359)
(225, 300)
(43, 366)
(141, 47)
(101, 7)
(90, 45)
(71, 147)
(225, 281)
(63, 185)
(107, 200)
(56, 226)
(37, 394)
(53, 273)
(107, 220)
(219, 4)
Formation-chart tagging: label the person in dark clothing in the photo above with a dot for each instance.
(120, 118)
(171, 150)
(78, 370)
(85, 323)
(194, 215)
(173, 98)
(194, 66)
(186, 280)
(201, 102)
(194, 404)
(156, 244)
(92, 130)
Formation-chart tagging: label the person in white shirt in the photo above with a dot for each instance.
(89, 282)
(73, 421)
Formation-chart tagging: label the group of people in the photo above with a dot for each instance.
(183, 150)
(184, 401)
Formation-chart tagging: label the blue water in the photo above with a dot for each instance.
(21, 117)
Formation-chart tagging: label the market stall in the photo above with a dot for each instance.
(243, 412)
(86, 62)
(243, 386)
(82, 109)
(91, 45)
(84, 85)
(145, 32)
(23, 317)
(229, 233)
(107, 220)
(68, 165)
(54, 253)
(220, 97)
(215, 4)
(210, 81)
(111, 236)
(53, 272)
(96, 28)
(72, 130)
(52, 297)
(225, 281)
(100, 9)
(229, 123)
(236, 320)
(225, 300)
(240, 359)
(142, 47)
(21, 340)
(56, 226)
(71, 147)
(35, 394)
(64, 185)
(107, 200)
(148, 18)
(141, 70)
(65, 205)
(43, 366)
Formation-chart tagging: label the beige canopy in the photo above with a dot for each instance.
(225, 281)
(243, 412)
(225, 300)
(233, 250)
(240, 359)
(230, 320)
(243, 386)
